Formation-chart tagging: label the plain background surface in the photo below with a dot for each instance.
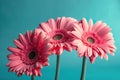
(18, 16)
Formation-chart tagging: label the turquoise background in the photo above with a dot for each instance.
(18, 16)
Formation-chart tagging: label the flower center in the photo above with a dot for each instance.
(90, 40)
(32, 55)
(58, 37)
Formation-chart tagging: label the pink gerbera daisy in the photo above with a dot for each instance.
(30, 54)
(57, 30)
(93, 40)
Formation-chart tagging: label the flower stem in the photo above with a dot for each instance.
(32, 77)
(83, 69)
(57, 67)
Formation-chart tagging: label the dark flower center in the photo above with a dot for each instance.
(58, 37)
(90, 40)
(32, 55)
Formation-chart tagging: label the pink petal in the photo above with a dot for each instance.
(18, 44)
(36, 73)
(78, 28)
(76, 34)
(98, 28)
(70, 24)
(89, 51)
(14, 50)
(28, 36)
(52, 24)
(13, 57)
(105, 48)
(46, 64)
(27, 73)
(92, 59)
(40, 74)
(62, 23)
(107, 37)
(95, 53)
(20, 67)
(14, 63)
(110, 42)
(76, 42)
(81, 54)
(60, 51)
(34, 38)
(23, 39)
(90, 24)
(58, 22)
(106, 56)
(103, 31)
(30, 73)
(85, 25)
(45, 27)
(81, 50)
(41, 39)
(68, 47)
(39, 65)
(101, 52)
(96, 25)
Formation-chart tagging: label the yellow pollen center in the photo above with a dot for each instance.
(57, 37)
(90, 40)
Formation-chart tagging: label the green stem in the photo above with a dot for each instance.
(32, 77)
(57, 67)
(83, 69)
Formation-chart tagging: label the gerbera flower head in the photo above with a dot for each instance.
(58, 32)
(93, 40)
(30, 54)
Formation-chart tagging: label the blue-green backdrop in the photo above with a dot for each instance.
(18, 16)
